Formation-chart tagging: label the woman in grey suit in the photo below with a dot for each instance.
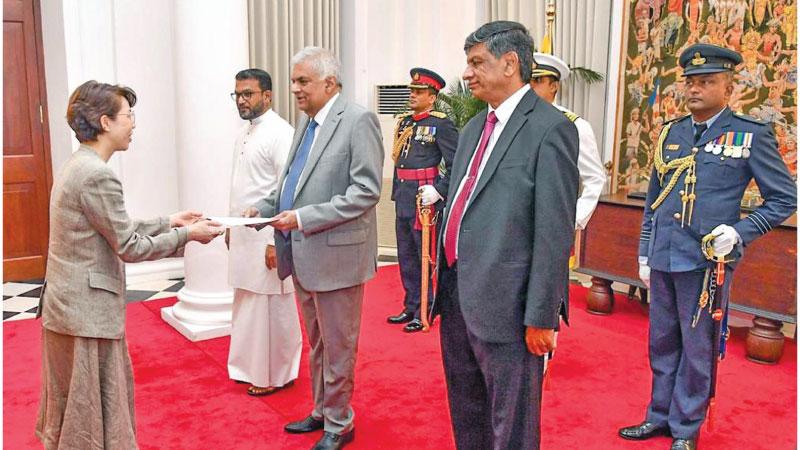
(87, 379)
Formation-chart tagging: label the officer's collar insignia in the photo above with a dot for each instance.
(698, 59)
(420, 116)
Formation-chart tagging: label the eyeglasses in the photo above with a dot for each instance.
(130, 114)
(246, 95)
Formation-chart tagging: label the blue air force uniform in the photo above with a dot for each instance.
(424, 147)
(732, 150)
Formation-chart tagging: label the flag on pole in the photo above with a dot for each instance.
(546, 46)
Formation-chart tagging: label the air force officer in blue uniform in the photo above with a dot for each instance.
(711, 155)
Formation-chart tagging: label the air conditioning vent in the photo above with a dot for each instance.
(392, 98)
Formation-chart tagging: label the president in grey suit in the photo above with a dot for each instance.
(508, 228)
(325, 211)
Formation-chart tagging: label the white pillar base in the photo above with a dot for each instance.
(205, 303)
(194, 332)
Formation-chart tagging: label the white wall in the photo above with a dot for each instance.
(612, 81)
(127, 42)
(132, 42)
(383, 39)
(55, 63)
(143, 56)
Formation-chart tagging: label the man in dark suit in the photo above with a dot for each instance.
(327, 234)
(508, 229)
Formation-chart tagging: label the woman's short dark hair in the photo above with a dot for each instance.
(92, 100)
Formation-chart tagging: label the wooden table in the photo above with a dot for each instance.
(765, 280)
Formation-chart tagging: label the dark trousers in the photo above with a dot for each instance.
(680, 356)
(409, 254)
(494, 389)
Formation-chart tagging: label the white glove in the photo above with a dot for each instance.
(429, 194)
(725, 239)
(644, 274)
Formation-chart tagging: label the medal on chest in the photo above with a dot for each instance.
(733, 144)
(425, 134)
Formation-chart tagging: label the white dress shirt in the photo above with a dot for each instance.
(592, 172)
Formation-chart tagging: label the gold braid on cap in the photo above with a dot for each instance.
(401, 139)
(536, 73)
(687, 164)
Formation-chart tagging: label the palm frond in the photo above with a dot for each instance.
(588, 76)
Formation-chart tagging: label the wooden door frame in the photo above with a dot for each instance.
(48, 158)
(44, 126)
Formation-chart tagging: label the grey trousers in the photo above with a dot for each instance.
(333, 321)
(494, 389)
(680, 356)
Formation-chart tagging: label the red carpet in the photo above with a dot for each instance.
(600, 381)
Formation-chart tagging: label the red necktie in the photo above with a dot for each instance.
(457, 210)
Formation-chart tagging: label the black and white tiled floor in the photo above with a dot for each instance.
(20, 299)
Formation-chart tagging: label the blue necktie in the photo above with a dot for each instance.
(699, 129)
(293, 176)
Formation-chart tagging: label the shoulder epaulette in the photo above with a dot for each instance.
(678, 119)
(749, 118)
(402, 115)
(571, 116)
(439, 114)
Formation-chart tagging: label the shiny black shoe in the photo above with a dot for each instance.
(403, 317)
(644, 430)
(333, 441)
(684, 444)
(306, 425)
(413, 326)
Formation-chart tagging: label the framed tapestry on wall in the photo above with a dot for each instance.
(655, 32)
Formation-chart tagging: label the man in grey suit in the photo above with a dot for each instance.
(508, 228)
(325, 210)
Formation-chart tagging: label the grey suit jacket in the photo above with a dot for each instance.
(335, 198)
(516, 234)
(91, 236)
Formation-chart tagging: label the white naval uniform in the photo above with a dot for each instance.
(592, 172)
(266, 340)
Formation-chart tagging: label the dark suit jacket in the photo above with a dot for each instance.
(516, 234)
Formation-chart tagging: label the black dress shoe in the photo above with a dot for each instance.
(644, 430)
(403, 317)
(333, 441)
(306, 425)
(413, 326)
(684, 444)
